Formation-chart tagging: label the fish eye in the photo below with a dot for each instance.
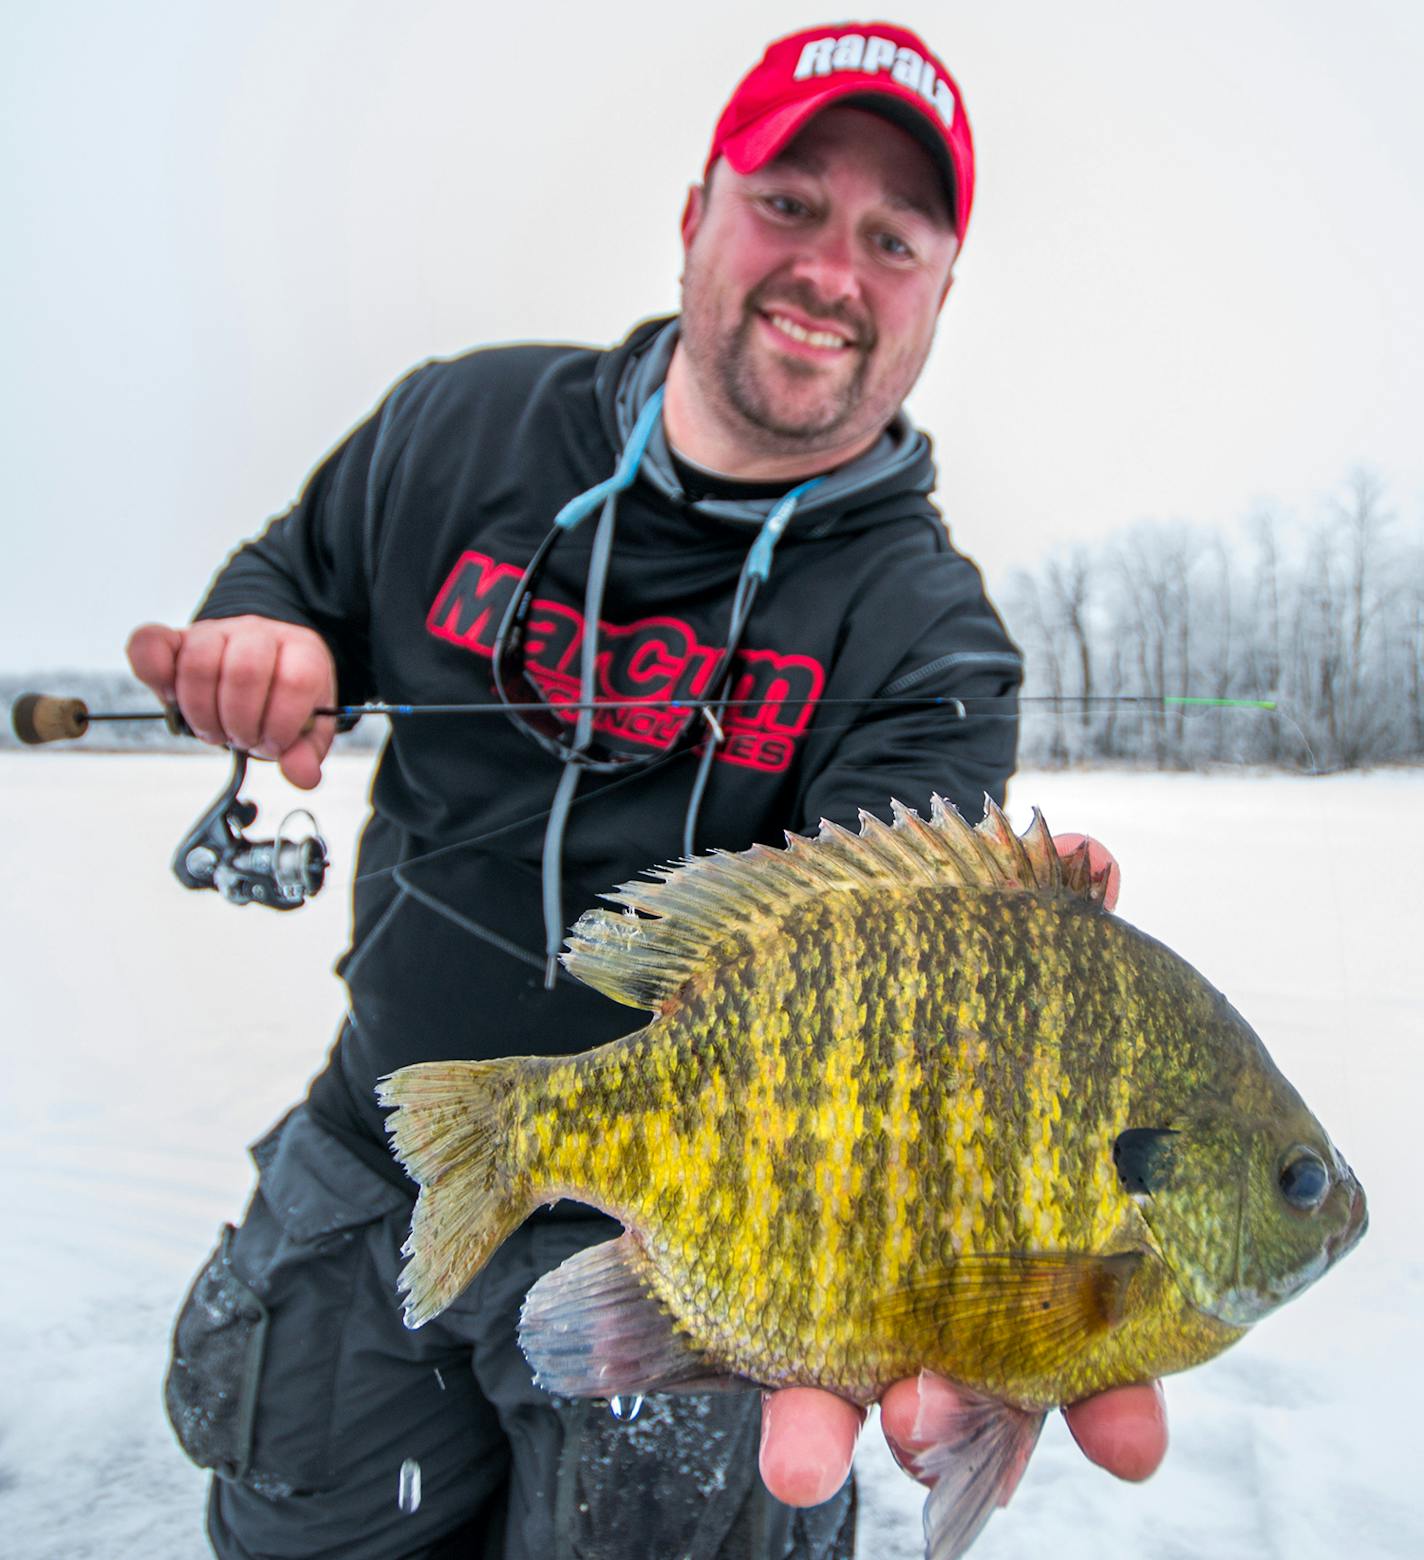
(1304, 1180)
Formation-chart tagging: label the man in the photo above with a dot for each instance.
(763, 535)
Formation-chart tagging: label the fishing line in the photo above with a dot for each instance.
(1264, 706)
(217, 852)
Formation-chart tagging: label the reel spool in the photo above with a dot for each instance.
(281, 873)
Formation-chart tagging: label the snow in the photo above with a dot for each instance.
(152, 1033)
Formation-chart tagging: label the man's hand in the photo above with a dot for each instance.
(808, 1436)
(248, 682)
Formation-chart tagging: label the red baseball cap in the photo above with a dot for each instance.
(874, 65)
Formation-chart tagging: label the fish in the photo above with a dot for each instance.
(911, 1099)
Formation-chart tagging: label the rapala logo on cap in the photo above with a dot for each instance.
(870, 56)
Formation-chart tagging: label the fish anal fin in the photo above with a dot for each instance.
(1018, 1311)
(973, 1471)
(594, 1328)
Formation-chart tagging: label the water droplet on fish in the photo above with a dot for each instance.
(627, 1409)
(408, 1493)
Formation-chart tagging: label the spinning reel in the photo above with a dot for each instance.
(281, 873)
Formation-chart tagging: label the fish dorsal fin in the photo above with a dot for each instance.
(697, 913)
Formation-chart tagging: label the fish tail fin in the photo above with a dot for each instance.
(451, 1131)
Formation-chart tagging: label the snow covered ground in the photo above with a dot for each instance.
(149, 1034)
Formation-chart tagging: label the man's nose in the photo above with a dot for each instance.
(827, 264)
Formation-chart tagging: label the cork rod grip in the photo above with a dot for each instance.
(38, 717)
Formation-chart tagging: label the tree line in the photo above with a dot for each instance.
(1326, 623)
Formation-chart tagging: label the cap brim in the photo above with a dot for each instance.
(755, 145)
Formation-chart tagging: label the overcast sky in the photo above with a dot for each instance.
(1191, 284)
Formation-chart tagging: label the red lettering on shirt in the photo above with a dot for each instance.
(652, 659)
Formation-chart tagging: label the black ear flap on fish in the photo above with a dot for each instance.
(1143, 1157)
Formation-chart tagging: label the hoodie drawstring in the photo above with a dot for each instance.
(577, 509)
(755, 571)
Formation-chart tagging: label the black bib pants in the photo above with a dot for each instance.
(296, 1380)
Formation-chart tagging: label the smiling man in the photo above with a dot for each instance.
(764, 536)
(810, 296)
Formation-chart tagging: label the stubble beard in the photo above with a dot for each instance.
(728, 366)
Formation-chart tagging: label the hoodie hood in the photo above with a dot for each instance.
(898, 465)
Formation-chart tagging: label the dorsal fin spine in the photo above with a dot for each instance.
(690, 915)
(893, 850)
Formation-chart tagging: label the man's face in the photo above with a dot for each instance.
(812, 286)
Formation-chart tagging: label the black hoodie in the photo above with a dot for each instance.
(404, 549)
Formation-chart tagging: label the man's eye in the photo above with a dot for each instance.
(786, 205)
(895, 246)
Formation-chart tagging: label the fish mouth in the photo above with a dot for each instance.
(1339, 1245)
(1245, 1303)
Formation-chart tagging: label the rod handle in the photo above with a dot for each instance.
(39, 717)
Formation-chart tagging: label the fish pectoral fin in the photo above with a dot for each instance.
(973, 1472)
(593, 1328)
(1015, 1309)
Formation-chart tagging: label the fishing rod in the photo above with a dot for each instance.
(40, 718)
(285, 871)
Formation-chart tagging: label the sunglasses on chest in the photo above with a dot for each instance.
(570, 734)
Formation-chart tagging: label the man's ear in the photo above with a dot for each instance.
(692, 213)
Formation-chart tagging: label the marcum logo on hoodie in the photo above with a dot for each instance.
(654, 658)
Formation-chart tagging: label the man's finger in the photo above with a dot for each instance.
(196, 685)
(301, 763)
(807, 1443)
(1124, 1431)
(303, 680)
(1100, 859)
(244, 685)
(918, 1413)
(153, 653)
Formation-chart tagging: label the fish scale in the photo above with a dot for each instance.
(828, 1024)
(662, 1112)
(909, 1100)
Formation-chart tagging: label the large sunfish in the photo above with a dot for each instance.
(911, 1100)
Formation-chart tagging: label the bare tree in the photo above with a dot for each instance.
(1033, 627)
(1067, 581)
(1264, 642)
(1154, 565)
(1333, 631)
